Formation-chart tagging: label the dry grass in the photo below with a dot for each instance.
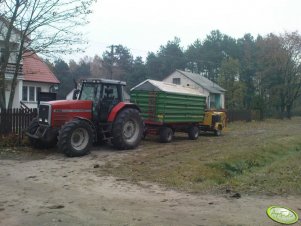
(255, 157)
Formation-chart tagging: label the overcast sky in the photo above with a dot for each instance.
(144, 25)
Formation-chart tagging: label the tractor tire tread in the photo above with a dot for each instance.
(166, 134)
(64, 138)
(117, 137)
(37, 143)
(193, 133)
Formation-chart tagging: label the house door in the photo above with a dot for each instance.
(217, 101)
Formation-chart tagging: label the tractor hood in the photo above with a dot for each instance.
(71, 104)
(62, 111)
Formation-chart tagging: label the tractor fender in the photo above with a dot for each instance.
(87, 120)
(92, 126)
(120, 106)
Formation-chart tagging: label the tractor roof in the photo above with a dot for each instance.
(101, 80)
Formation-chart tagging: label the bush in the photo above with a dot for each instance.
(12, 140)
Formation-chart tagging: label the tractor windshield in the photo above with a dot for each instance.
(90, 91)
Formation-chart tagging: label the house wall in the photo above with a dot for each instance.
(44, 88)
(13, 54)
(14, 36)
(19, 92)
(14, 47)
(188, 83)
(7, 91)
(223, 100)
(14, 40)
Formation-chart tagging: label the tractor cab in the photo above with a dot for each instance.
(105, 95)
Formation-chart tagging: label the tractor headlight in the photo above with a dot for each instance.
(44, 113)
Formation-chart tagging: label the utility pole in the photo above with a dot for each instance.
(112, 59)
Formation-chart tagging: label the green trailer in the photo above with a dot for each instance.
(168, 108)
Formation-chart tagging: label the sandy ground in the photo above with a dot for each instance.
(55, 190)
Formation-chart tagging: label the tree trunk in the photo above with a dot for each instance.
(14, 81)
(2, 90)
(282, 111)
(261, 114)
(7, 55)
(289, 111)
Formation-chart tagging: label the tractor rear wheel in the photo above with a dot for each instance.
(166, 134)
(127, 129)
(38, 143)
(75, 138)
(193, 133)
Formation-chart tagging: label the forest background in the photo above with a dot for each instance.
(259, 73)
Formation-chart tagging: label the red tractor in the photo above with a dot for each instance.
(99, 113)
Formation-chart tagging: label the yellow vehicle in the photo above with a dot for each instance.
(214, 121)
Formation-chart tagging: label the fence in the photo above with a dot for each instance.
(243, 115)
(15, 121)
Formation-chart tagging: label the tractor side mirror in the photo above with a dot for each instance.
(75, 94)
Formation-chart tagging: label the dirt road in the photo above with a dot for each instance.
(55, 190)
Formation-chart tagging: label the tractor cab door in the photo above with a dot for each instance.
(110, 97)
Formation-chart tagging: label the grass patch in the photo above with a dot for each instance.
(259, 157)
(276, 151)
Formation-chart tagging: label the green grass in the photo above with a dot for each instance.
(256, 157)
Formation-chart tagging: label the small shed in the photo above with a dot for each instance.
(214, 93)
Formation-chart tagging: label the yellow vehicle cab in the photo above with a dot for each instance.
(214, 121)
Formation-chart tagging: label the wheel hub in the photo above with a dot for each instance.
(129, 129)
(79, 139)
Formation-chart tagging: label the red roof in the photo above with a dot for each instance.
(34, 69)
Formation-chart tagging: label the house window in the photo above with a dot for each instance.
(24, 93)
(31, 93)
(38, 90)
(176, 81)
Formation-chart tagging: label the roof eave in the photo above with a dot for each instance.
(29, 80)
(204, 87)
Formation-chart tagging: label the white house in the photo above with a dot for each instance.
(215, 95)
(34, 75)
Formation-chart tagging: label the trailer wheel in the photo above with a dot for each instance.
(193, 133)
(217, 132)
(75, 138)
(37, 143)
(127, 129)
(166, 134)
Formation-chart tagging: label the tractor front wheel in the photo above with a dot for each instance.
(127, 129)
(75, 138)
(39, 143)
